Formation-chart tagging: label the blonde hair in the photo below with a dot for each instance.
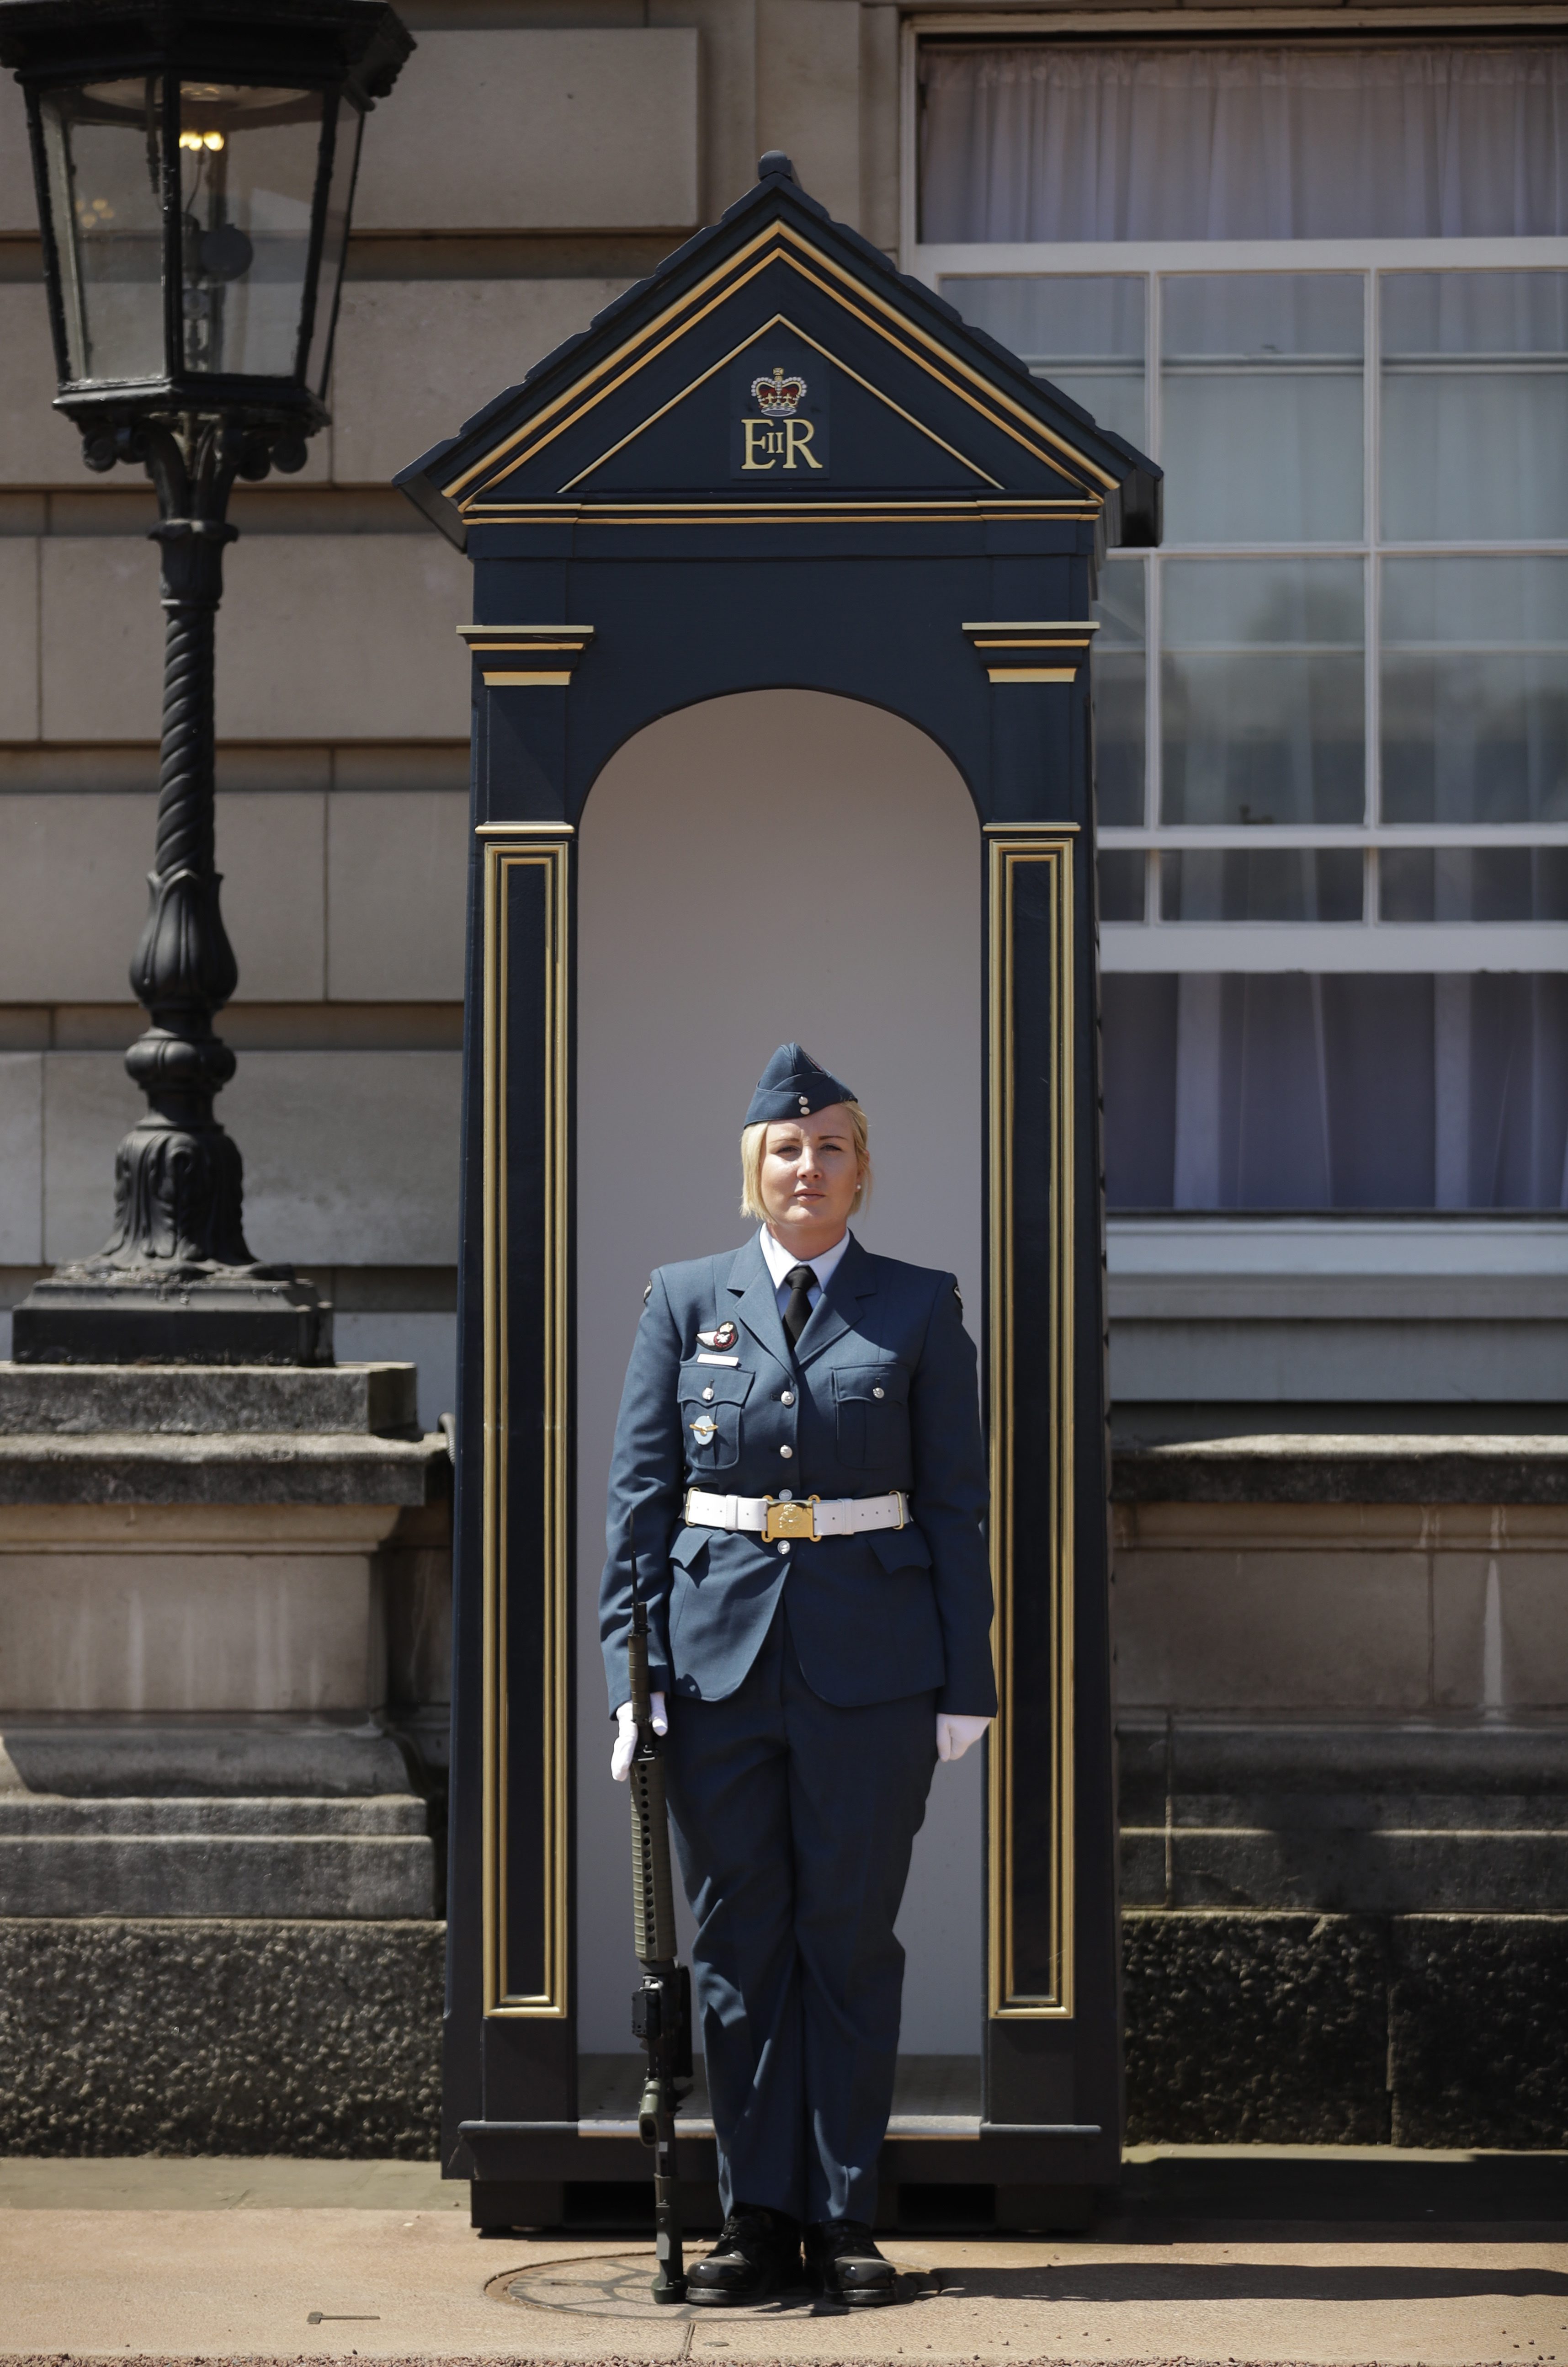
(753, 1139)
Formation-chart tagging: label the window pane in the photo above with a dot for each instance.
(1118, 673)
(248, 161)
(1474, 392)
(1475, 690)
(103, 146)
(1262, 439)
(1235, 883)
(1121, 884)
(1085, 335)
(1262, 691)
(1473, 883)
(1138, 1024)
(334, 242)
(1307, 1092)
(1047, 140)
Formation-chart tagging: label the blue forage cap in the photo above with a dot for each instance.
(792, 1085)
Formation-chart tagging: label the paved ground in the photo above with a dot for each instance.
(1229, 2259)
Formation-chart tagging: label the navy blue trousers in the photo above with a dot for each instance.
(793, 1824)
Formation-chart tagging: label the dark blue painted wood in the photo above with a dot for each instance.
(701, 603)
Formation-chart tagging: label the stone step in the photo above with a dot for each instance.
(26, 1816)
(1347, 1871)
(85, 1401)
(288, 1877)
(201, 1756)
(242, 1467)
(1242, 1760)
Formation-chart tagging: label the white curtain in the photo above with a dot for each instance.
(1300, 1092)
(1047, 141)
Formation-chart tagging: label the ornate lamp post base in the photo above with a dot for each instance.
(95, 1312)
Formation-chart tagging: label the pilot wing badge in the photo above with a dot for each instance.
(724, 1335)
(779, 415)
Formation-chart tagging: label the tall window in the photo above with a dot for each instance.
(1327, 288)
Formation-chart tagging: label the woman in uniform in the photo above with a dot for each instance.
(798, 1460)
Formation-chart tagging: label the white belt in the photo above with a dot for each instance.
(811, 1516)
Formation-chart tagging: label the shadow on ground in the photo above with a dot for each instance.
(1196, 2281)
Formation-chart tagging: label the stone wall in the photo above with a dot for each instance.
(199, 2036)
(323, 2038)
(1447, 2031)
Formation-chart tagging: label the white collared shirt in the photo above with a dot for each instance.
(781, 1261)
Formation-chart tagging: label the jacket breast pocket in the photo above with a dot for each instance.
(711, 1399)
(874, 1414)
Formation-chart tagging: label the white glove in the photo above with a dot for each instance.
(625, 1750)
(954, 1734)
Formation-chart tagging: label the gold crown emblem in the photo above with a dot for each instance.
(779, 396)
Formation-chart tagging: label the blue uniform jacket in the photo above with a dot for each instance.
(880, 1394)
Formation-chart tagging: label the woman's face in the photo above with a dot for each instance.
(809, 1177)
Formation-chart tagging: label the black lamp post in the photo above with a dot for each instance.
(195, 161)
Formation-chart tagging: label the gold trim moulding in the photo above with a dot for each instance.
(1012, 848)
(751, 337)
(562, 643)
(784, 511)
(524, 637)
(537, 830)
(779, 241)
(525, 1767)
(1028, 640)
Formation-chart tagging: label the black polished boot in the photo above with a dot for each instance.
(758, 2254)
(843, 2264)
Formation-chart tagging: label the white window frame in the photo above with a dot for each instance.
(1156, 945)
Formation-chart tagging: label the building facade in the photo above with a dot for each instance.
(1313, 261)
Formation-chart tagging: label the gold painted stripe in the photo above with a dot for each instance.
(613, 386)
(1063, 644)
(523, 681)
(1041, 433)
(506, 649)
(782, 320)
(1037, 426)
(1032, 674)
(781, 513)
(611, 361)
(542, 829)
(488, 637)
(1012, 848)
(768, 246)
(1001, 505)
(546, 848)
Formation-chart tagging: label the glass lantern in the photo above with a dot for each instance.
(253, 181)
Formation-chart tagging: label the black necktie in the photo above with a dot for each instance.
(798, 1314)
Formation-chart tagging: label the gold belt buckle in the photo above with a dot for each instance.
(791, 1520)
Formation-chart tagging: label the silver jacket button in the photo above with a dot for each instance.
(787, 1398)
(875, 1393)
(786, 1451)
(707, 1393)
(786, 1495)
(784, 1545)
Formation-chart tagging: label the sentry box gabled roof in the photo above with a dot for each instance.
(777, 361)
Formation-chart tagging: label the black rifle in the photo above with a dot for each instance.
(661, 2005)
